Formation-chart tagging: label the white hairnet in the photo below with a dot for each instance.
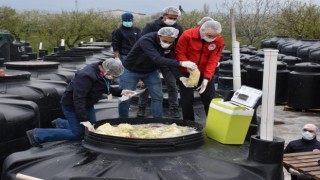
(114, 66)
(211, 25)
(169, 32)
(171, 10)
(205, 19)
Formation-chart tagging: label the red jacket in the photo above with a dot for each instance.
(206, 55)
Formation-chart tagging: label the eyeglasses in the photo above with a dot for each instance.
(311, 131)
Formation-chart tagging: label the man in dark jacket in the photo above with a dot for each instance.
(150, 52)
(168, 19)
(77, 102)
(308, 142)
(124, 37)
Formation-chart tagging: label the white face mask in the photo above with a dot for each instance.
(307, 135)
(169, 22)
(165, 45)
(208, 39)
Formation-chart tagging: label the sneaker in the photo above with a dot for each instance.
(141, 112)
(174, 113)
(32, 140)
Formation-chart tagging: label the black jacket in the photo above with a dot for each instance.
(147, 55)
(86, 89)
(124, 38)
(301, 145)
(155, 25)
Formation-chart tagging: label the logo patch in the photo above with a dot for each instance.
(211, 47)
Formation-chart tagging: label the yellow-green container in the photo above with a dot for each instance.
(228, 123)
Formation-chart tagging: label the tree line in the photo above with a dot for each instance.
(255, 20)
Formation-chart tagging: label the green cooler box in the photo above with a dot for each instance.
(228, 123)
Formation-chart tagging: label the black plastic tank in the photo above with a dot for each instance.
(274, 42)
(42, 52)
(253, 77)
(226, 55)
(70, 61)
(225, 79)
(110, 157)
(5, 43)
(304, 86)
(314, 56)
(105, 45)
(291, 49)
(291, 61)
(45, 93)
(17, 49)
(244, 59)
(16, 117)
(304, 51)
(43, 70)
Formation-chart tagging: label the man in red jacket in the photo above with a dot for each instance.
(202, 45)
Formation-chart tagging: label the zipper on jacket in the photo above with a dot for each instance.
(201, 52)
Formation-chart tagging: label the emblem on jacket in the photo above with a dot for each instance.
(211, 47)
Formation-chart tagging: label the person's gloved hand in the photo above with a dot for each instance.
(293, 171)
(203, 86)
(126, 92)
(188, 65)
(88, 125)
(184, 81)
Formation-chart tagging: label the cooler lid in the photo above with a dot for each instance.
(246, 96)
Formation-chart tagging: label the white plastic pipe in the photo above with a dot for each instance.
(236, 65)
(91, 39)
(62, 42)
(268, 94)
(20, 176)
(40, 45)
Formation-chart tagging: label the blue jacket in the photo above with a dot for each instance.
(124, 38)
(155, 25)
(86, 89)
(147, 55)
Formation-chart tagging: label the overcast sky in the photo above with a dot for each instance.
(142, 6)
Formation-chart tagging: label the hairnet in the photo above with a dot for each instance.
(171, 10)
(205, 19)
(114, 66)
(211, 25)
(169, 32)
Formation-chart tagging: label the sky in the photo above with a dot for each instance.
(148, 7)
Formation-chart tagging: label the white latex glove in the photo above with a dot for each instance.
(127, 92)
(293, 171)
(188, 65)
(203, 86)
(184, 81)
(88, 125)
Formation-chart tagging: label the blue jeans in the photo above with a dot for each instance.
(66, 129)
(122, 58)
(152, 80)
(171, 83)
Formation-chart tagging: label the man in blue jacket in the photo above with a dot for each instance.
(168, 19)
(124, 37)
(77, 102)
(151, 52)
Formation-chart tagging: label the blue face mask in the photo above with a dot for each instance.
(127, 24)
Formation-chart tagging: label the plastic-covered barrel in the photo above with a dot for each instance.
(253, 77)
(226, 55)
(225, 79)
(304, 86)
(5, 41)
(314, 56)
(43, 70)
(45, 93)
(292, 48)
(17, 49)
(274, 42)
(16, 117)
(304, 51)
(291, 61)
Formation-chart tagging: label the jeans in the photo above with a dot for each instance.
(122, 58)
(66, 129)
(152, 80)
(171, 83)
(187, 99)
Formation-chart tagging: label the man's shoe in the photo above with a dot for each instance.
(141, 112)
(174, 113)
(54, 123)
(32, 140)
